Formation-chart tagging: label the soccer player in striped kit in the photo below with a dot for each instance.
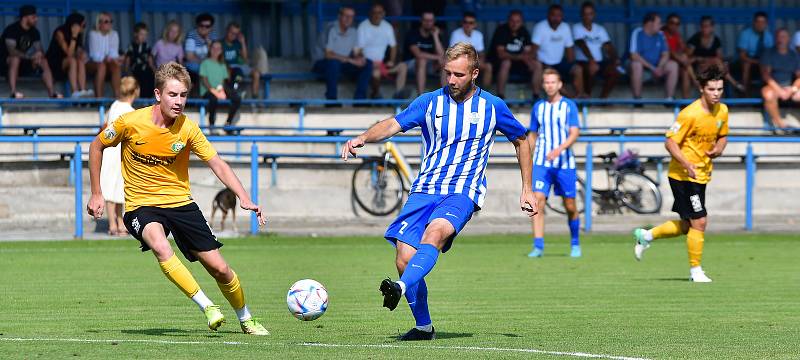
(553, 129)
(458, 123)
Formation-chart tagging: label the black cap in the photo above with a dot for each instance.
(26, 10)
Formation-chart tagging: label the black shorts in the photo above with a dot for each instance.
(186, 223)
(690, 199)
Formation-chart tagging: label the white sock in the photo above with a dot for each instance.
(402, 287)
(426, 328)
(695, 269)
(243, 314)
(202, 300)
(648, 235)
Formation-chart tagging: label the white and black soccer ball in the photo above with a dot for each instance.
(307, 300)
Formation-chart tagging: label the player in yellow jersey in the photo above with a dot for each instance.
(699, 135)
(156, 141)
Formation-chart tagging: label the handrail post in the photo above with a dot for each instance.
(301, 113)
(203, 118)
(587, 189)
(35, 144)
(101, 111)
(273, 172)
(750, 166)
(1, 117)
(585, 111)
(78, 191)
(254, 186)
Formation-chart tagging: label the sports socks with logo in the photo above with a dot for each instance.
(413, 283)
(694, 242)
(176, 272)
(235, 295)
(574, 231)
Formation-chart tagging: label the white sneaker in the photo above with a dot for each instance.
(696, 274)
(78, 94)
(640, 244)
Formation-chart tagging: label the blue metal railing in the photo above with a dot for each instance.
(76, 165)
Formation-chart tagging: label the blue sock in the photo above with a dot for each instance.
(420, 265)
(574, 231)
(538, 243)
(417, 297)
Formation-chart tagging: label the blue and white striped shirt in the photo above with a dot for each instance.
(457, 139)
(552, 123)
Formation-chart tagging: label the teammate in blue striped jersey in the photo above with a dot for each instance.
(458, 123)
(554, 128)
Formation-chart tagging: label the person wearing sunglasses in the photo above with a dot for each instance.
(104, 59)
(469, 34)
(198, 42)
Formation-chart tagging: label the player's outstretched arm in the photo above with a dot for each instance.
(378, 132)
(527, 201)
(96, 202)
(225, 174)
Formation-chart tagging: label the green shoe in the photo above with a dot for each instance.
(253, 327)
(641, 244)
(214, 316)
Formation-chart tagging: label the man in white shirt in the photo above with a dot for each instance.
(375, 35)
(594, 52)
(469, 34)
(552, 48)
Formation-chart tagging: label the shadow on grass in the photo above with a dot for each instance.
(444, 335)
(174, 332)
(681, 279)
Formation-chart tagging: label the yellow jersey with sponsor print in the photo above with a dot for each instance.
(155, 160)
(696, 131)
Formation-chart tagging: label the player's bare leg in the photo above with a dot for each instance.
(537, 225)
(572, 215)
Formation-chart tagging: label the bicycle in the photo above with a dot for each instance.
(380, 183)
(628, 187)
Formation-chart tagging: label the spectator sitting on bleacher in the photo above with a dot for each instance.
(510, 52)
(139, 60)
(198, 41)
(780, 69)
(553, 48)
(705, 49)
(342, 55)
(215, 84)
(234, 47)
(753, 41)
(104, 56)
(424, 51)
(677, 52)
(169, 47)
(649, 51)
(594, 52)
(21, 52)
(469, 34)
(67, 57)
(375, 35)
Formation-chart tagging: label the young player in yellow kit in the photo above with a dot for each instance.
(156, 141)
(698, 136)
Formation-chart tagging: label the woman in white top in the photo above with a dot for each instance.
(111, 183)
(103, 44)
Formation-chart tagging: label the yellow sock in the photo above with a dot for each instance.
(694, 242)
(180, 276)
(667, 230)
(233, 292)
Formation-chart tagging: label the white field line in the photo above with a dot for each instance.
(477, 348)
(151, 341)
(363, 346)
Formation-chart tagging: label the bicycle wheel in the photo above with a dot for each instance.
(556, 204)
(638, 193)
(378, 189)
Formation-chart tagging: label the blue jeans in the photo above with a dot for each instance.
(332, 69)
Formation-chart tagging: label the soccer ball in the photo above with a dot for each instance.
(307, 299)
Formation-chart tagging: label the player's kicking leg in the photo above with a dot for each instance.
(154, 236)
(228, 283)
(417, 297)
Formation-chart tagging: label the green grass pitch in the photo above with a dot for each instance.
(105, 299)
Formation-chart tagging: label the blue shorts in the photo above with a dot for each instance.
(562, 179)
(421, 209)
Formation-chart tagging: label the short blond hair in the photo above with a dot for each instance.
(460, 49)
(551, 71)
(128, 87)
(170, 71)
